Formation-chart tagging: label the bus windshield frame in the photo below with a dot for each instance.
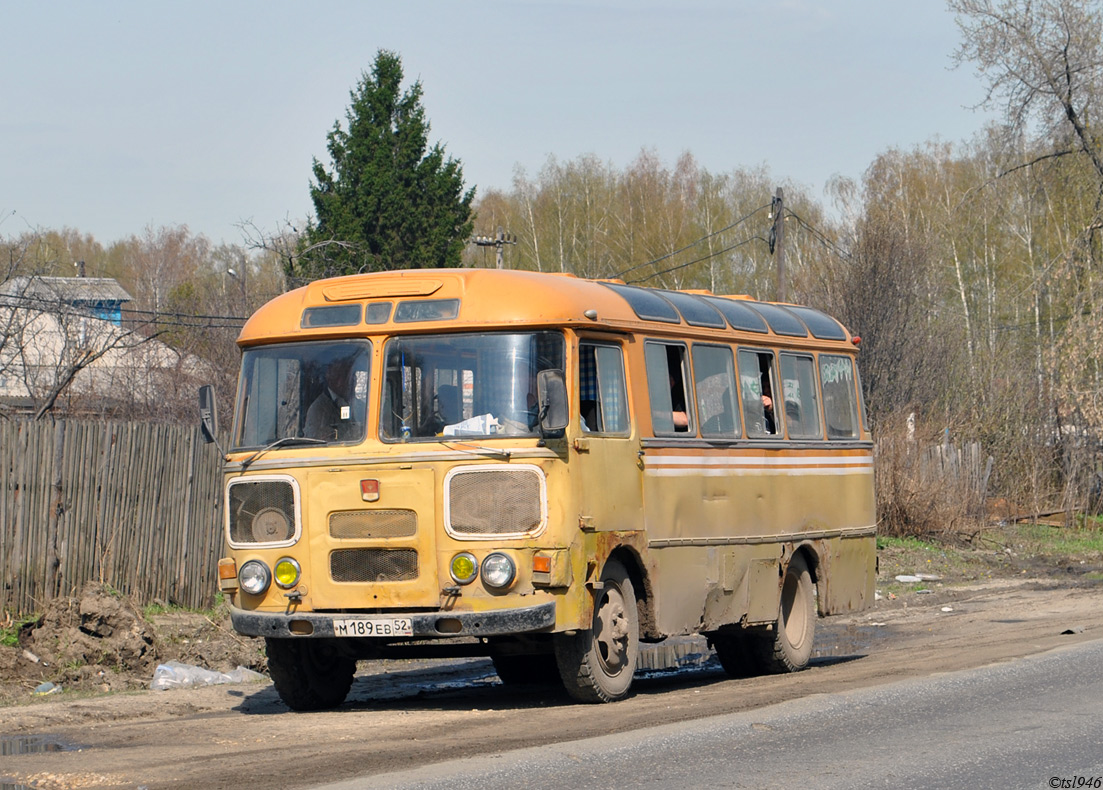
(465, 384)
(315, 390)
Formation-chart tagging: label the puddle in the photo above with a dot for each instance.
(34, 744)
(849, 640)
(30, 744)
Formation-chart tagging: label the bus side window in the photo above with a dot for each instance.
(756, 385)
(839, 393)
(801, 397)
(666, 385)
(602, 398)
(714, 375)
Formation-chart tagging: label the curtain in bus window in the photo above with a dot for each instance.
(714, 376)
(603, 404)
(837, 377)
(798, 387)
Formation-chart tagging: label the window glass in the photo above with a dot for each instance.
(603, 403)
(666, 385)
(312, 391)
(377, 312)
(756, 390)
(714, 378)
(331, 315)
(695, 310)
(780, 320)
(426, 310)
(465, 385)
(837, 375)
(819, 324)
(738, 314)
(647, 304)
(799, 393)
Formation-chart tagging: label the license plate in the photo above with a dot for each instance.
(396, 626)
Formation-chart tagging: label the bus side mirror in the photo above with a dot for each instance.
(208, 414)
(551, 391)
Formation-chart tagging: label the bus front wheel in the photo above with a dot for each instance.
(790, 649)
(597, 665)
(310, 674)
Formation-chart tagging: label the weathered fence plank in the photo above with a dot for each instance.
(135, 506)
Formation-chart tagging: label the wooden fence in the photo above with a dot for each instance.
(135, 506)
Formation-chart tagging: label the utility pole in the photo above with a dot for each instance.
(777, 243)
(498, 241)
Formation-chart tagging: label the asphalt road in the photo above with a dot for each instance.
(1033, 722)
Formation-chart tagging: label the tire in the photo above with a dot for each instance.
(790, 649)
(310, 674)
(597, 665)
(532, 669)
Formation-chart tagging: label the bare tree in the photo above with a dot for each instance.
(1043, 59)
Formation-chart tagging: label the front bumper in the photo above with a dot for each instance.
(426, 625)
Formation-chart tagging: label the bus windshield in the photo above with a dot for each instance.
(316, 391)
(465, 385)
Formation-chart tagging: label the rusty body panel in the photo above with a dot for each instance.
(704, 527)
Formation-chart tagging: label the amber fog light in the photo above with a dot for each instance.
(288, 573)
(464, 568)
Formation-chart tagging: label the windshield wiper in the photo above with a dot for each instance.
(478, 449)
(286, 441)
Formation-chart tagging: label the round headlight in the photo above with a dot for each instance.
(254, 577)
(464, 568)
(287, 572)
(498, 570)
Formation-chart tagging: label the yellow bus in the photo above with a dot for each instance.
(544, 469)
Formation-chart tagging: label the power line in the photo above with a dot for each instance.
(691, 245)
(819, 235)
(698, 260)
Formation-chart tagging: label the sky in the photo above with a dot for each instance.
(121, 116)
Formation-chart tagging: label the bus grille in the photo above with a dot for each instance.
(369, 524)
(491, 503)
(261, 512)
(373, 565)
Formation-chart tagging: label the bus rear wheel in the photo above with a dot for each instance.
(310, 674)
(597, 665)
(790, 649)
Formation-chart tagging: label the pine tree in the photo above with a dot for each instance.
(390, 201)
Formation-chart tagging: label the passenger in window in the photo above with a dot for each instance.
(330, 415)
(768, 413)
(678, 411)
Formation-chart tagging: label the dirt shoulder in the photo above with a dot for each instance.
(406, 713)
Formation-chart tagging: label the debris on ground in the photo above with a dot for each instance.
(100, 641)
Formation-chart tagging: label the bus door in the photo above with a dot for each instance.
(608, 458)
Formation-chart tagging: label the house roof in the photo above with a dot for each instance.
(73, 290)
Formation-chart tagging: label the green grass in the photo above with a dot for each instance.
(154, 609)
(1083, 542)
(885, 542)
(9, 635)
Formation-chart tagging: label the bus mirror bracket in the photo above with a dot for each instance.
(208, 415)
(551, 391)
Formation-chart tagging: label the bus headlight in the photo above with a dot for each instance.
(254, 577)
(464, 568)
(498, 570)
(287, 573)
